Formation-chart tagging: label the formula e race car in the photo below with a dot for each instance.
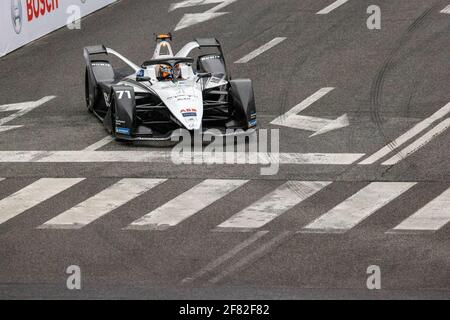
(168, 93)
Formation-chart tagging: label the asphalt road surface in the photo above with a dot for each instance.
(372, 192)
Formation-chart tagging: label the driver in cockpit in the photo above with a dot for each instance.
(167, 73)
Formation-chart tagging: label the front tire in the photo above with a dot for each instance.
(90, 94)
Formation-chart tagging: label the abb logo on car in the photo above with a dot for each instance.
(189, 112)
(37, 8)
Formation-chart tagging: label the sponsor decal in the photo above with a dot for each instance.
(189, 112)
(16, 15)
(215, 80)
(125, 131)
(101, 64)
(105, 95)
(210, 57)
(141, 73)
(38, 8)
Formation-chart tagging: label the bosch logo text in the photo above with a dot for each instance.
(37, 8)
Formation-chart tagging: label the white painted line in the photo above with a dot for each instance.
(191, 19)
(33, 195)
(22, 108)
(101, 204)
(417, 129)
(186, 204)
(166, 157)
(258, 253)
(281, 120)
(99, 144)
(431, 217)
(446, 10)
(192, 3)
(272, 205)
(358, 207)
(7, 128)
(419, 143)
(261, 50)
(332, 6)
(222, 259)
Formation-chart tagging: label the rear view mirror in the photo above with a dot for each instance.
(142, 79)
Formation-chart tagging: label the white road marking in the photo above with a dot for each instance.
(166, 157)
(7, 128)
(417, 129)
(272, 205)
(99, 144)
(192, 3)
(101, 204)
(303, 105)
(33, 195)
(227, 256)
(419, 143)
(358, 207)
(446, 10)
(186, 204)
(319, 126)
(261, 50)
(432, 217)
(20, 110)
(191, 19)
(332, 6)
(258, 253)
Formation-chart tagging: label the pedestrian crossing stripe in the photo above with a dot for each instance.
(358, 207)
(273, 205)
(32, 195)
(432, 217)
(345, 216)
(104, 202)
(187, 204)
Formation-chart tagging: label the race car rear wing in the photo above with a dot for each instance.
(200, 43)
(101, 49)
(208, 42)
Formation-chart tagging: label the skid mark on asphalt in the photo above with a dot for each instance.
(413, 132)
(252, 257)
(378, 86)
(419, 143)
(224, 258)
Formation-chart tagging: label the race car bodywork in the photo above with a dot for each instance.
(196, 95)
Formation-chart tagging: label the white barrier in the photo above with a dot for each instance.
(22, 21)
